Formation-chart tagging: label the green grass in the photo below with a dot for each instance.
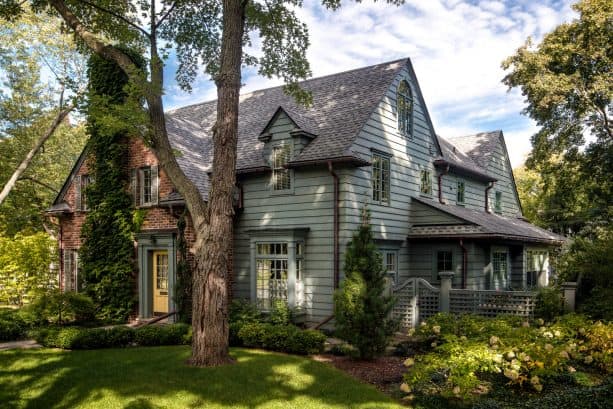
(157, 377)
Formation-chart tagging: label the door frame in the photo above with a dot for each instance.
(147, 243)
(154, 269)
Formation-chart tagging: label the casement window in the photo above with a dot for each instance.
(380, 179)
(145, 186)
(404, 100)
(279, 272)
(498, 202)
(500, 269)
(81, 182)
(426, 182)
(444, 261)
(390, 263)
(537, 266)
(281, 176)
(71, 270)
(460, 193)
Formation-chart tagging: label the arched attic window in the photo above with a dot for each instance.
(404, 99)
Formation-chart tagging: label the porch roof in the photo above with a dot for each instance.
(479, 224)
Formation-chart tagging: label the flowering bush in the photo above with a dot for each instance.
(468, 352)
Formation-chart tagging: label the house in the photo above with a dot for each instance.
(304, 175)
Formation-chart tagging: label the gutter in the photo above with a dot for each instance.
(440, 184)
(335, 223)
(487, 197)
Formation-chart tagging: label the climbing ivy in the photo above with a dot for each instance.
(183, 290)
(107, 254)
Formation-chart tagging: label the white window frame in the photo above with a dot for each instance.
(381, 170)
(280, 169)
(85, 181)
(540, 280)
(296, 262)
(506, 280)
(153, 185)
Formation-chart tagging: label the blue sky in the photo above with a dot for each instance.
(456, 48)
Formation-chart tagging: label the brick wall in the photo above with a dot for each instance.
(156, 218)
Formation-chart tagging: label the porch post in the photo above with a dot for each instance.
(569, 290)
(446, 277)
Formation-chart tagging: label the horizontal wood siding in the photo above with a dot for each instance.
(500, 167)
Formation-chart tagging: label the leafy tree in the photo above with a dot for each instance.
(362, 311)
(568, 86)
(33, 107)
(209, 33)
(25, 272)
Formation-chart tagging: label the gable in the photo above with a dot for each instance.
(423, 215)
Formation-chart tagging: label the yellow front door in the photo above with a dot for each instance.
(160, 281)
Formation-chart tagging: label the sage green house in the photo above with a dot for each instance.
(304, 174)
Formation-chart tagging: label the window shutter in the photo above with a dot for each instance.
(77, 190)
(155, 182)
(134, 187)
(140, 187)
(68, 261)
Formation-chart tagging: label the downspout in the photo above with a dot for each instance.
(464, 264)
(440, 184)
(487, 197)
(335, 224)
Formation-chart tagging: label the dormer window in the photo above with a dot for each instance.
(281, 177)
(404, 100)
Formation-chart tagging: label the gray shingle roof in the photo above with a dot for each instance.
(478, 147)
(485, 225)
(458, 158)
(341, 105)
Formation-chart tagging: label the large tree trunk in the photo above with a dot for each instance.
(25, 163)
(210, 291)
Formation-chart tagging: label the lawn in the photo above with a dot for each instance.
(157, 377)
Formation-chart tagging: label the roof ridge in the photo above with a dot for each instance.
(495, 131)
(175, 110)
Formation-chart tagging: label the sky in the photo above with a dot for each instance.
(456, 48)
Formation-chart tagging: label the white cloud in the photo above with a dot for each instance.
(456, 49)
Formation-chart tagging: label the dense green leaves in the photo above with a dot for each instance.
(362, 311)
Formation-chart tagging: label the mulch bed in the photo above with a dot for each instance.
(384, 373)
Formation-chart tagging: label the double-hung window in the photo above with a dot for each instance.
(380, 179)
(460, 193)
(390, 263)
(145, 186)
(281, 176)
(71, 270)
(498, 202)
(404, 100)
(426, 182)
(537, 263)
(500, 269)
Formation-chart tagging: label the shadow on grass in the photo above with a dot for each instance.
(151, 378)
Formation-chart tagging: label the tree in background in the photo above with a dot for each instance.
(362, 311)
(568, 84)
(42, 80)
(25, 271)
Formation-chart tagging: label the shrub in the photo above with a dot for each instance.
(11, 330)
(61, 308)
(467, 353)
(241, 312)
(598, 305)
(362, 312)
(115, 337)
(282, 338)
(549, 303)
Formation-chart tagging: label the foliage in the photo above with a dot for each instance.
(107, 253)
(282, 338)
(25, 272)
(549, 303)
(241, 312)
(13, 324)
(114, 337)
(39, 65)
(62, 308)
(566, 80)
(468, 353)
(362, 312)
(597, 304)
(280, 314)
(183, 286)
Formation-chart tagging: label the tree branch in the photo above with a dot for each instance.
(118, 16)
(38, 182)
(160, 21)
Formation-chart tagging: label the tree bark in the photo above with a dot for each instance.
(23, 166)
(210, 291)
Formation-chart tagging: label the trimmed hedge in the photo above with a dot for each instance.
(115, 337)
(14, 324)
(282, 338)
